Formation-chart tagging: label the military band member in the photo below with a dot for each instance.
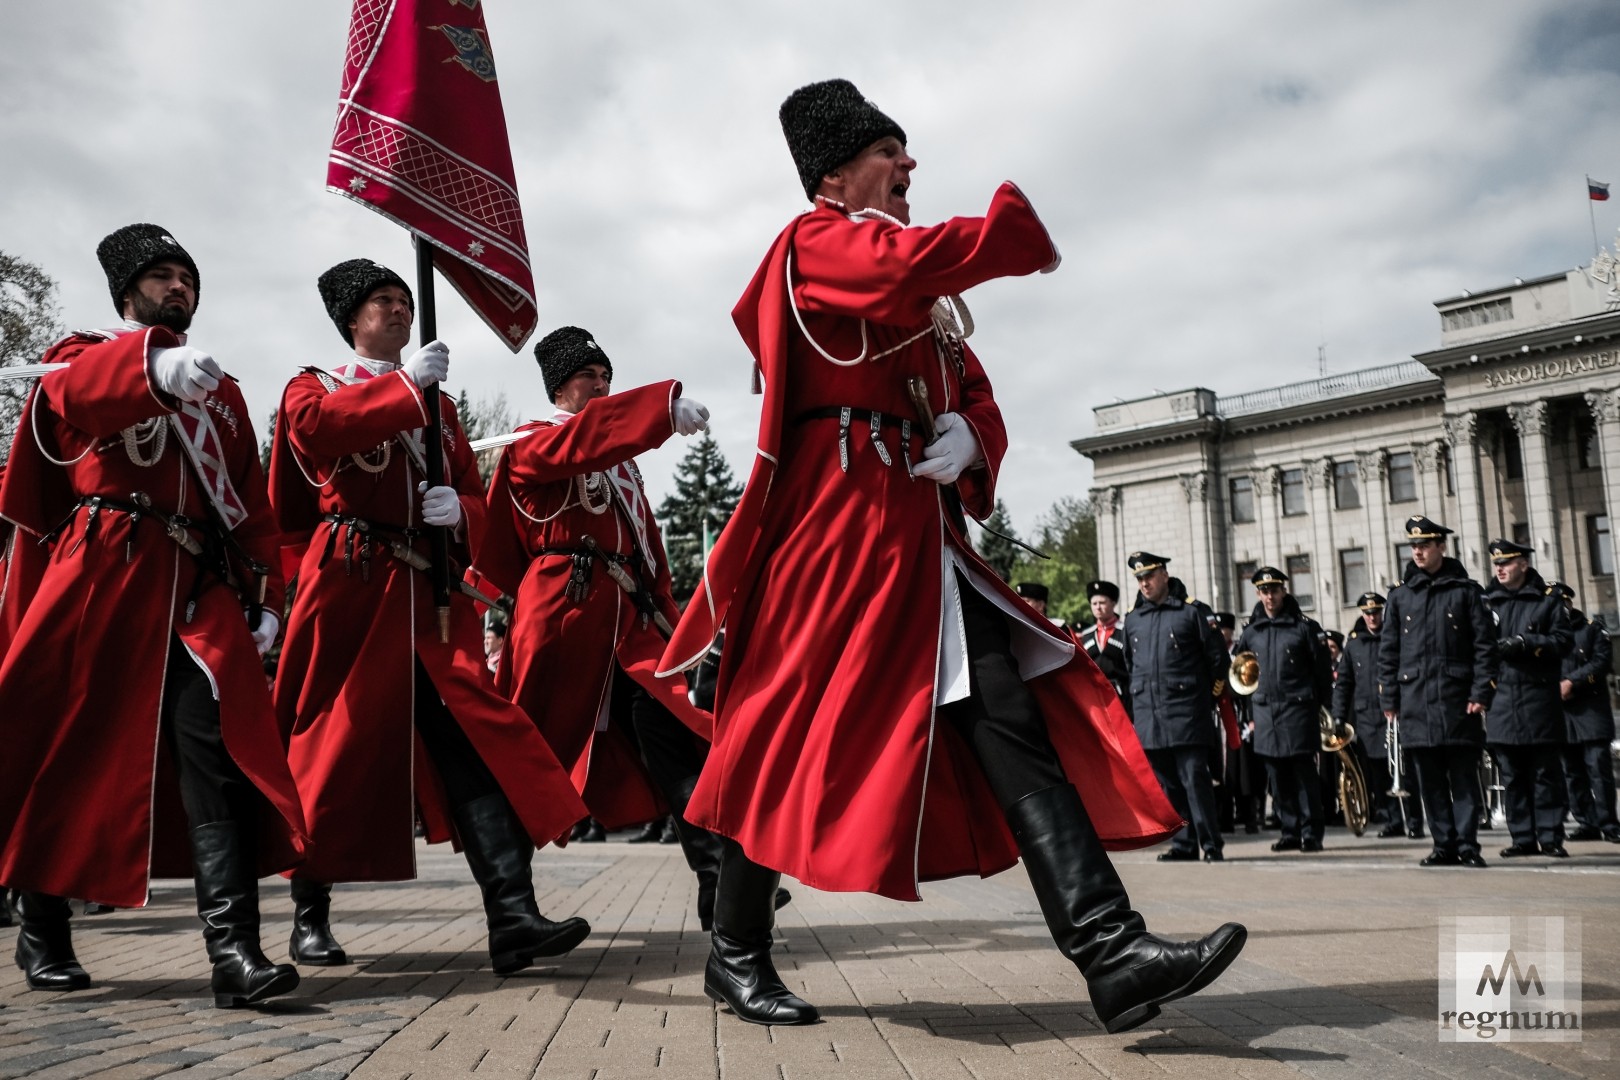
(386, 718)
(1524, 726)
(1295, 683)
(1356, 702)
(887, 709)
(1588, 724)
(1177, 666)
(1104, 640)
(1242, 794)
(136, 716)
(1437, 669)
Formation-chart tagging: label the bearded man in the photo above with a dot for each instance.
(384, 718)
(850, 538)
(136, 714)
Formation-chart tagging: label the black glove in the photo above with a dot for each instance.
(1510, 647)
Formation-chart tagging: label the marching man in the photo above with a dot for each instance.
(850, 750)
(138, 468)
(385, 718)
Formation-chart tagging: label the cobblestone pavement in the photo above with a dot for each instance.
(1339, 980)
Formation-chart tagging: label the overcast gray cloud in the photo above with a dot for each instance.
(1232, 184)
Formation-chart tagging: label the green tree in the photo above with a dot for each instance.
(997, 550)
(705, 494)
(483, 417)
(29, 324)
(1068, 533)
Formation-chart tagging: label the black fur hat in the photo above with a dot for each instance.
(827, 124)
(346, 286)
(125, 253)
(565, 351)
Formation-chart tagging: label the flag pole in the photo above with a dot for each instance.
(433, 451)
(1593, 215)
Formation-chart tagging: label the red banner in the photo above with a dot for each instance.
(421, 138)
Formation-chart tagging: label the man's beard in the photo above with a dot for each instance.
(157, 313)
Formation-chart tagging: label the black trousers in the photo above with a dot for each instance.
(672, 753)
(999, 718)
(1448, 780)
(212, 787)
(1297, 789)
(1387, 809)
(1532, 791)
(1183, 773)
(461, 770)
(1589, 778)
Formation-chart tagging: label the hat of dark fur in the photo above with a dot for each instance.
(126, 253)
(565, 351)
(827, 124)
(345, 287)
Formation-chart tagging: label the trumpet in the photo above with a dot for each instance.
(1392, 746)
(1244, 674)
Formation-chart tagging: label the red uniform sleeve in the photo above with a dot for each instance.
(607, 431)
(324, 425)
(881, 271)
(977, 485)
(105, 387)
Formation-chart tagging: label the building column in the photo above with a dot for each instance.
(1372, 466)
(1267, 489)
(1530, 420)
(1605, 406)
(1325, 559)
(1462, 432)
(1196, 487)
(1430, 459)
(1110, 558)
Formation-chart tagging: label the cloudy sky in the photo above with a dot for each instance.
(1232, 184)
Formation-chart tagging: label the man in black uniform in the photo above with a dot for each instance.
(1355, 702)
(1103, 641)
(1437, 673)
(1296, 680)
(1525, 724)
(1588, 724)
(1177, 667)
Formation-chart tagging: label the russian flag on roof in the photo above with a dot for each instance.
(1598, 192)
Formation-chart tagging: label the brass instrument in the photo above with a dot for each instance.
(1336, 739)
(1392, 746)
(1335, 736)
(1244, 674)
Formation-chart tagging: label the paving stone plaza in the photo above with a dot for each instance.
(1339, 980)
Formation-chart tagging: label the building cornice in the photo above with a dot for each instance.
(1199, 427)
(1570, 334)
(1386, 397)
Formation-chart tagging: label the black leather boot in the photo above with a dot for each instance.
(499, 853)
(1129, 972)
(740, 974)
(702, 849)
(312, 941)
(45, 945)
(228, 904)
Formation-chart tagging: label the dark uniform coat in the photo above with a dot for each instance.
(1588, 716)
(1296, 679)
(1176, 658)
(1528, 709)
(1355, 690)
(1437, 653)
(1109, 658)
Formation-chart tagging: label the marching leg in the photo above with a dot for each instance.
(228, 904)
(45, 944)
(740, 974)
(312, 941)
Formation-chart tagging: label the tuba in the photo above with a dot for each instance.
(1335, 736)
(1244, 674)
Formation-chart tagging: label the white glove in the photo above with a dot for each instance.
(430, 364)
(953, 453)
(440, 505)
(186, 373)
(690, 416)
(265, 635)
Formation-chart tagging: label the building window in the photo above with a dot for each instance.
(1512, 455)
(1600, 543)
(1451, 475)
(1293, 492)
(1346, 485)
(1241, 496)
(1300, 581)
(1353, 573)
(1245, 571)
(1402, 478)
(1492, 311)
(1521, 533)
(1403, 555)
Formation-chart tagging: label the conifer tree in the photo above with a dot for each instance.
(999, 552)
(706, 493)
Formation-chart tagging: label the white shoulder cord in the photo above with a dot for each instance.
(33, 422)
(584, 502)
(865, 344)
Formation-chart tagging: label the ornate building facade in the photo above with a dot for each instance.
(1510, 428)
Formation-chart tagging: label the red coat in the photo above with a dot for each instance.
(830, 583)
(560, 655)
(345, 692)
(89, 806)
